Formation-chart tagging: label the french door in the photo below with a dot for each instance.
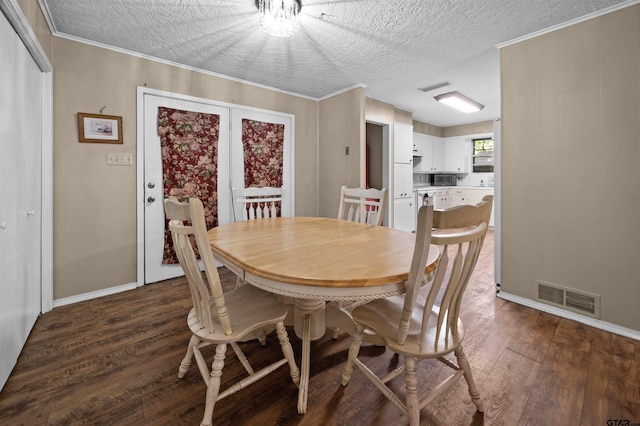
(230, 170)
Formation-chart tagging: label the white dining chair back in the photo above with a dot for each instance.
(424, 323)
(256, 203)
(217, 317)
(463, 216)
(364, 205)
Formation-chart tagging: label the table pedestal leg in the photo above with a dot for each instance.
(338, 317)
(309, 324)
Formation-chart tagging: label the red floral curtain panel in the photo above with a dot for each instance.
(263, 145)
(189, 142)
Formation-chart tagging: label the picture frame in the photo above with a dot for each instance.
(99, 128)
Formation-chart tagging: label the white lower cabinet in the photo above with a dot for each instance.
(441, 200)
(458, 197)
(404, 214)
(451, 197)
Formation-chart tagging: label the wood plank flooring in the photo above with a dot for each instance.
(114, 361)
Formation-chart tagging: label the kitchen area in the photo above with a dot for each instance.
(441, 171)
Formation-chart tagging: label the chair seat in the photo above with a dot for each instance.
(251, 309)
(378, 316)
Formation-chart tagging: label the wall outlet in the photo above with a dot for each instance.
(346, 150)
(114, 159)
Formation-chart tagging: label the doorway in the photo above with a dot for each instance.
(377, 161)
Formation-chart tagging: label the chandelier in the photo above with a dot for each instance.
(279, 17)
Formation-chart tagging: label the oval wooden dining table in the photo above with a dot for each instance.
(315, 260)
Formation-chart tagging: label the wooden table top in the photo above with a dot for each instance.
(321, 252)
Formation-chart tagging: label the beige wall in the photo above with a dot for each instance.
(570, 156)
(426, 128)
(468, 129)
(342, 123)
(401, 116)
(378, 111)
(447, 132)
(95, 204)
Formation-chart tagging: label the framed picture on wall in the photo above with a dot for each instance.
(99, 128)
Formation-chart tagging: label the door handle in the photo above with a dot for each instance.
(151, 199)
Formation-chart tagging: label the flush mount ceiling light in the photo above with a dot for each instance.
(459, 101)
(279, 17)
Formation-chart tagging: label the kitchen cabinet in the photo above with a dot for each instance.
(403, 199)
(402, 180)
(417, 144)
(404, 217)
(432, 160)
(441, 200)
(456, 155)
(403, 143)
(451, 197)
(458, 197)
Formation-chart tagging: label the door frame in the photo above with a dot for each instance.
(140, 171)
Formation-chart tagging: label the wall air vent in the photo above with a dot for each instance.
(574, 300)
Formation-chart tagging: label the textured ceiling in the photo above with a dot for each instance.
(392, 47)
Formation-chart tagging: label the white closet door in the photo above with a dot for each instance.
(21, 92)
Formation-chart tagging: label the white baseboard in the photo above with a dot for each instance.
(94, 294)
(602, 325)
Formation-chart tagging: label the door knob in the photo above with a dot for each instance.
(151, 199)
(151, 185)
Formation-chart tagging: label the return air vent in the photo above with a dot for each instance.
(573, 300)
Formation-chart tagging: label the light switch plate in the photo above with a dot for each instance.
(119, 159)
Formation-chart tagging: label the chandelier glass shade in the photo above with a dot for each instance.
(279, 17)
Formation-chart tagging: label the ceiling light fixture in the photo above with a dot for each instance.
(279, 17)
(459, 101)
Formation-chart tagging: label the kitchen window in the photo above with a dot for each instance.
(482, 155)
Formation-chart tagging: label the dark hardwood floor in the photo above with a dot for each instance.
(114, 361)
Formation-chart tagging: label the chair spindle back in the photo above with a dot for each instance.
(363, 205)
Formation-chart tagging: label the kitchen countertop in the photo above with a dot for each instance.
(422, 187)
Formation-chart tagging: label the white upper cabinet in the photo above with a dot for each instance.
(417, 144)
(432, 160)
(456, 154)
(403, 143)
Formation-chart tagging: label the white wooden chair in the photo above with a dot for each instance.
(415, 325)
(221, 318)
(462, 216)
(256, 203)
(364, 205)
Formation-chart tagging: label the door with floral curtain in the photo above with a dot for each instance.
(186, 154)
(261, 151)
